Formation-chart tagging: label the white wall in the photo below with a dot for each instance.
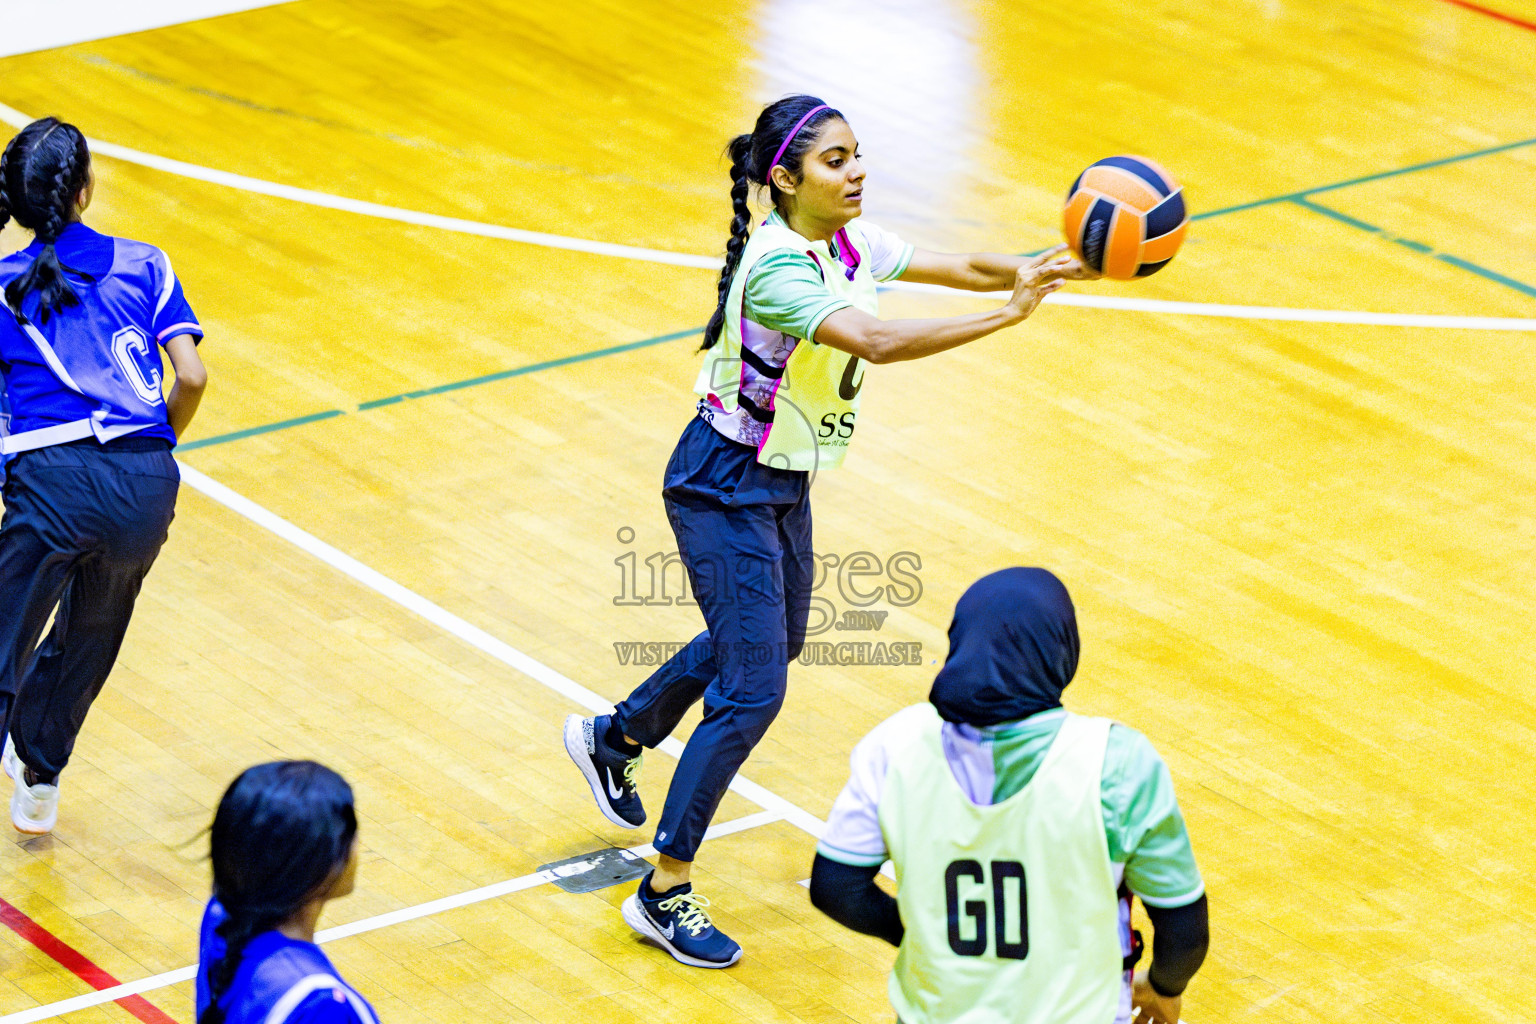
(27, 25)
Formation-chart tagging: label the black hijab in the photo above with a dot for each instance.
(1012, 649)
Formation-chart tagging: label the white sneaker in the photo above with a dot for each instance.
(34, 809)
(9, 761)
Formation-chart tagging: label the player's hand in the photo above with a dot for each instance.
(1149, 1006)
(1073, 270)
(1030, 285)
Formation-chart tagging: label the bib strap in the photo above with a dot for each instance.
(45, 437)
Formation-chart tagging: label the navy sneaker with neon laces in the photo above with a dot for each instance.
(677, 922)
(612, 774)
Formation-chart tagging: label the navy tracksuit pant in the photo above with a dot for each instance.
(744, 534)
(83, 524)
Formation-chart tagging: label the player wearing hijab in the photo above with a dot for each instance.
(90, 486)
(778, 401)
(1019, 833)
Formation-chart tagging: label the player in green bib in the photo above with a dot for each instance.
(1019, 833)
(778, 399)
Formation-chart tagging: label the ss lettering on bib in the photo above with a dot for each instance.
(841, 426)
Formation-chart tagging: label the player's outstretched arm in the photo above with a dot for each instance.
(984, 271)
(1181, 937)
(888, 341)
(849, 896)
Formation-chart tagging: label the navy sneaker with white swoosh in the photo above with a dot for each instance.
(677, 922)
(611, 774)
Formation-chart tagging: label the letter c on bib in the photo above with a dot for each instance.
(145, 380)
(848, 388)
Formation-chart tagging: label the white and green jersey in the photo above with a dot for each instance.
(766, 382)
(994, 801)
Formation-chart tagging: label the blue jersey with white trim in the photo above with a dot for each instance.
(279, 981)
(98, 362)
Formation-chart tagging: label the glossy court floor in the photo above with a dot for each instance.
(1301, 551)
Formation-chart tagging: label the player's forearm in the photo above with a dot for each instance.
(993, 271)
(191, 379)
(1181, 937)
(181, 404)
(849, 896)
(914, 339)
(891, 341)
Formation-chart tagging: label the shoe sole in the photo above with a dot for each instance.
(636, 917)
(576, 750)
(28, 827)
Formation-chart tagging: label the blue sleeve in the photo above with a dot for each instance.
(173, 315)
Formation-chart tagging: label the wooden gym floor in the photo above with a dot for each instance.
(1301, 552)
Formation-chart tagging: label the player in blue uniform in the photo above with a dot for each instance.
(90, 485)
(283, 843)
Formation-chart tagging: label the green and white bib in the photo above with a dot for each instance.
(1010, 909)
(793, 400)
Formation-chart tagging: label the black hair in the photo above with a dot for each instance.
(282, 834)
(752, 164)
(42, 171)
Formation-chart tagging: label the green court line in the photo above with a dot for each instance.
(1412, 168)
(240, 435)
(549, 364)
(519, 371)
(1509, 282)
(1342, 218)
(1419, 247)
(1298, 198)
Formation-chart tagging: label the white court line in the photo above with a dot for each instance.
(395, 213)
(681, 259)
(394, 917)
(1285, 313)
(775, 806)
(470, 634)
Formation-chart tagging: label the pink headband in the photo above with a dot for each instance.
(791, 136)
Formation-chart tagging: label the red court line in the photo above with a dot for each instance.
(77, 963)
(1494, 14)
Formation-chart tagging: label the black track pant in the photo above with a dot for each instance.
(83, 524)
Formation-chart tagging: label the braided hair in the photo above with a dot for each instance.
(282, 835)
(752, 164)
(42, 172)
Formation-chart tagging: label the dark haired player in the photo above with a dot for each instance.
(778, 401)
(90, 485)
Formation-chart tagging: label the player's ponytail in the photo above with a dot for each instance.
(5, 204)
(236, 931)
(281, 837)
(741, 222)
(42, 172)
(752, 163)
